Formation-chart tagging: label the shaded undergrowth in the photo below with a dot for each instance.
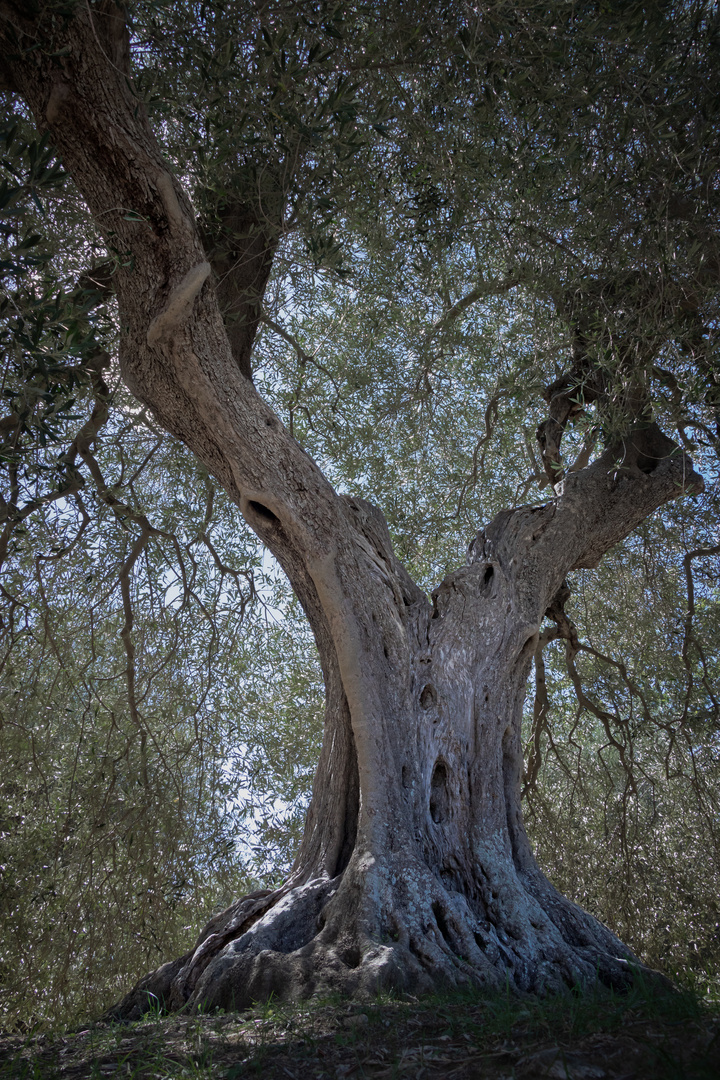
(590, 1035)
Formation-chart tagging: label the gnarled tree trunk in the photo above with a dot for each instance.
(415, 869)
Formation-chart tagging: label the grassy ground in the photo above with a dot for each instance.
(653, 1035)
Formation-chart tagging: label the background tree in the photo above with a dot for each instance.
(438, 197)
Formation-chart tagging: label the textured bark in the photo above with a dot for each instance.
(415, 869)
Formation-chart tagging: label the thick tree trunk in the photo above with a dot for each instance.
(415, 869)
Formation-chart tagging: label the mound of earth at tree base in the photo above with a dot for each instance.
(572, 1037)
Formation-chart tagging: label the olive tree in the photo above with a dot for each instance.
(554, 149)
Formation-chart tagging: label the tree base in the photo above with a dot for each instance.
(375, 928)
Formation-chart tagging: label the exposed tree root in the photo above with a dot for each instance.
(387, 926)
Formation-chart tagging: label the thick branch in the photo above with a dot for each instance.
(241, 245)
(594, 509)
(175, 355)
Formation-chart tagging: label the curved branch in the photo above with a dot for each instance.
(494, 287)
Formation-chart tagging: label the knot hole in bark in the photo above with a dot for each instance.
(428, 696)
(351, 957)
(487, 578)
(439, 795)
(263, 512)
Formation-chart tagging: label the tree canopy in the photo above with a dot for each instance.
(461, 253)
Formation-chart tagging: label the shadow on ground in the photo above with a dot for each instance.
(575, 1037)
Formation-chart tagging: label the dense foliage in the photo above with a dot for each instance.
(465, 209)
